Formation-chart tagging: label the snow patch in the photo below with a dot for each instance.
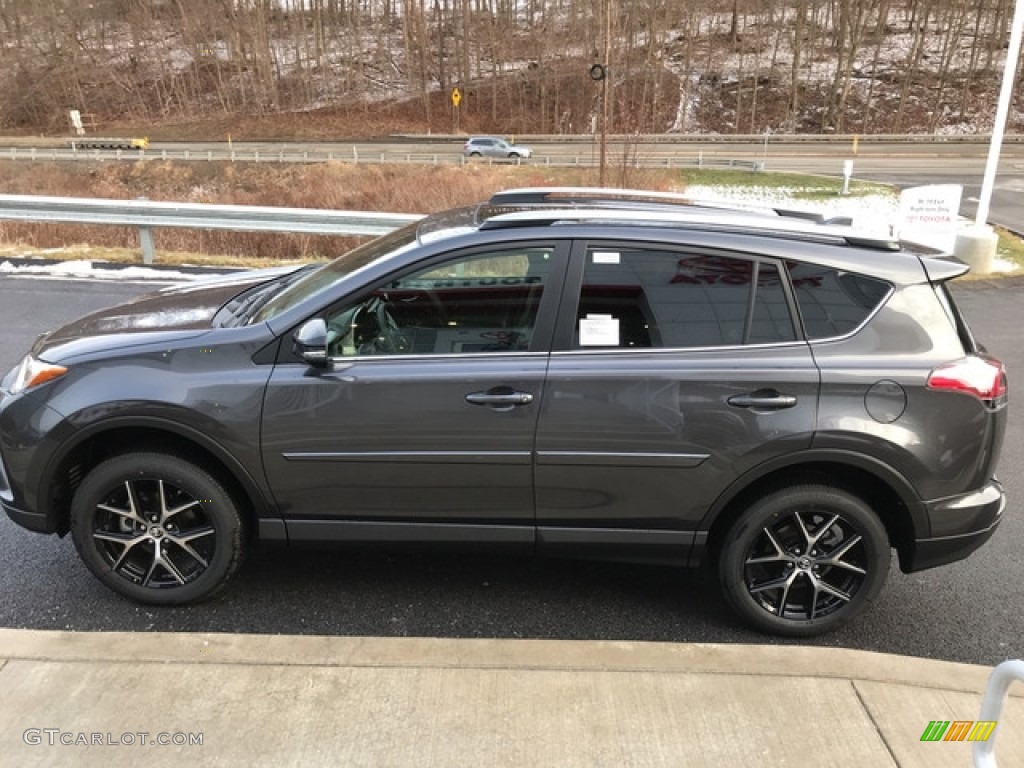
(97, 271)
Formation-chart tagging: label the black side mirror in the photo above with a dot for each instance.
(310, 342)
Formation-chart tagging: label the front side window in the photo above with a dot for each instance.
(637, 298)
(484, 303)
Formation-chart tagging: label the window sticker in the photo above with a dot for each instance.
(599, 331)
(606, 257)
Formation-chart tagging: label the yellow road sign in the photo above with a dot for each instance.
(456, 96)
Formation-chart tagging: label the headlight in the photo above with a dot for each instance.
(31, 372)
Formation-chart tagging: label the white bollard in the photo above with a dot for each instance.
(976, 247)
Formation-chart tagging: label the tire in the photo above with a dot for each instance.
(475, 154)
(804, 560)
(157, 529)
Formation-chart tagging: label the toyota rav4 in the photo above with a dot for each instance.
(579, 372)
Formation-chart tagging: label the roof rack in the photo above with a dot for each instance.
(635, 199)
(697, 219)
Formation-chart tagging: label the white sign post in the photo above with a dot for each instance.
(976, 245)
(847, 173)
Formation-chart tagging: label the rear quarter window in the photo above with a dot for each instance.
(832, 302)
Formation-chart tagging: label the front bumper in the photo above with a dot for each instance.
(33, 521)
(960, 524)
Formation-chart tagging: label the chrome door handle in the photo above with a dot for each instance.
(501, 399)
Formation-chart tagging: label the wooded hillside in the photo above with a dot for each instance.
(351, 68)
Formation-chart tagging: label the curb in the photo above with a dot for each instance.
(745, 660)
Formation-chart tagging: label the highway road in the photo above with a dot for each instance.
(972, 611)
(903, 163)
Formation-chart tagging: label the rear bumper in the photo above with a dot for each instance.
(960, 524)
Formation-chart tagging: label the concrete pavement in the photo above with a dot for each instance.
(106, 699)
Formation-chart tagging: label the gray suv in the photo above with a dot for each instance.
(491, 146)
(576, 372)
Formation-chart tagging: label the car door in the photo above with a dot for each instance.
(422, 423)
(674, 369)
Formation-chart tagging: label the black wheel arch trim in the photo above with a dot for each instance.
(263, 507)
(883, 472)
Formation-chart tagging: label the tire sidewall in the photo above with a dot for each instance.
(780, 504)
(220, 509)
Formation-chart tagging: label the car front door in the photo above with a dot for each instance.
(421, 426)
(674, 370)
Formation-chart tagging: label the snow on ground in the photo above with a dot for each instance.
(94, 270)
(877, 214)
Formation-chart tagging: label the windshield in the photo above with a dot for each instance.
(330, 273)
(443, 224)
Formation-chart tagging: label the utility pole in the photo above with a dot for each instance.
(604, 89)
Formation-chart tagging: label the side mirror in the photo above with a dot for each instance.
(310, 342)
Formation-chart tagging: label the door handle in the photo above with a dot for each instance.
(500, 398)
(763, 399)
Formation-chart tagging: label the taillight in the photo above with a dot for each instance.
(983, 377)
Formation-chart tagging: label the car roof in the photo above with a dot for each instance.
(667, 216)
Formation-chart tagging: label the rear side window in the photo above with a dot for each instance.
(635, 298)
(834, 303)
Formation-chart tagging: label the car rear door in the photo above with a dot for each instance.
(674, 370)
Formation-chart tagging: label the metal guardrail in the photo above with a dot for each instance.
(999, 682)
(624, 159)
(146, 214)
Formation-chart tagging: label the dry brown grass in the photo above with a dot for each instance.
(334, 186)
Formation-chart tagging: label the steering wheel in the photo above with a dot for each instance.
(389, 339)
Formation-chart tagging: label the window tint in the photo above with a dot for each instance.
(485, 303)
(660, 298)
(834, 303)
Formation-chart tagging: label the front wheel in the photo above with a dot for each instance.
(156, 528)
(804, 560)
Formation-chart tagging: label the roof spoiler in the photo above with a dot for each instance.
(939, 270)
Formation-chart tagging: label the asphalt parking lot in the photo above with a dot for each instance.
(972, 611)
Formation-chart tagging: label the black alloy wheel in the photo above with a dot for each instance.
(156, 528)
(804, 560)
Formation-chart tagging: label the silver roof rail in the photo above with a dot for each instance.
(740, 222)
(634, 199)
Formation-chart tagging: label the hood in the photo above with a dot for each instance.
(177, 311)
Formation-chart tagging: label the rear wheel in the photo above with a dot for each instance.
(804, 560)
(156, 528)
(475, 154)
